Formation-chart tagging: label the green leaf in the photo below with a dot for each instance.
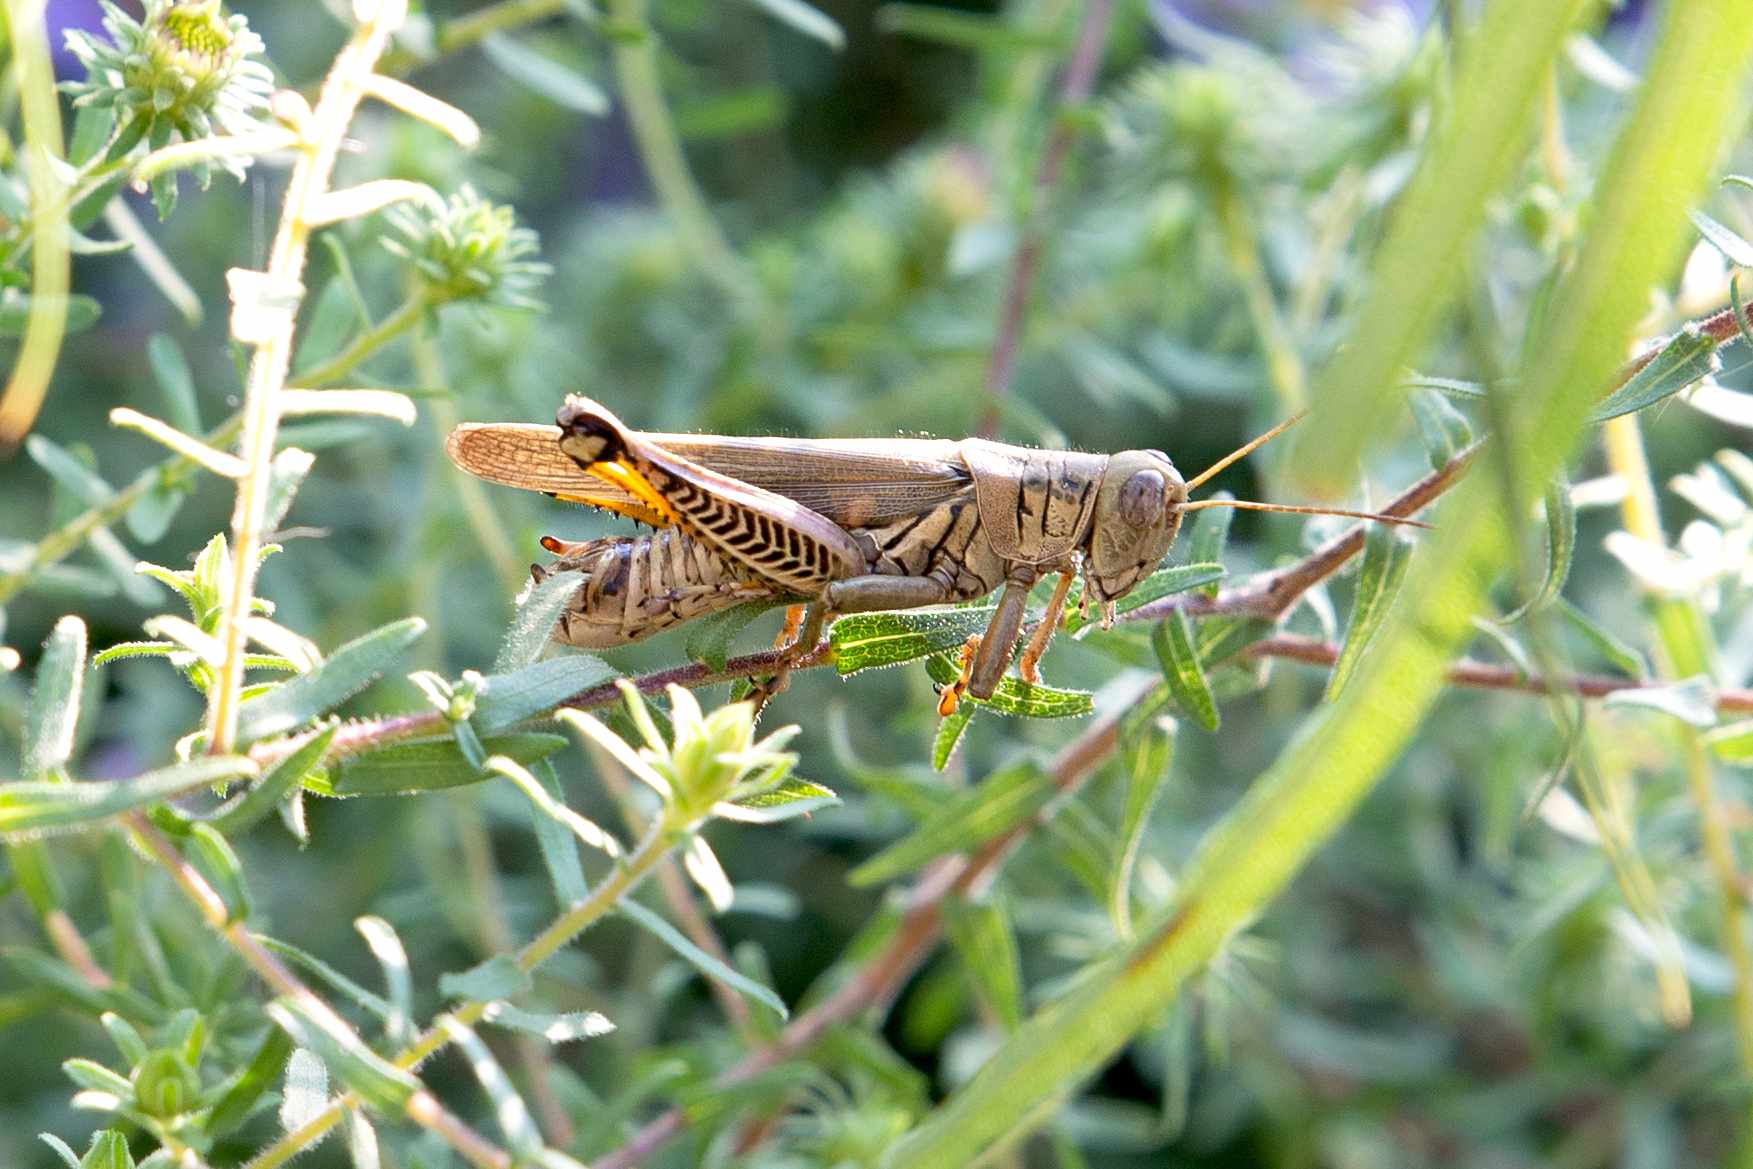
(532, 628)
(1688, 356)
(557, 844)
(1017, 697)
(1166, 582)
(53, 716)
(15, 308)
(62, 1150)
(542, 74)
(1004, 800)
(1385, 557)
(430, 764)
(509, 1109)
(1733, 743)
(812, 22)
(1618, 653)
(109, 1150)
(1211, 535)
(285, 475)
(1445, 430)
(170, 369)
(306, 1093)
(376, 1004)
(251, 1084)
(379, 1084)
(1172, 639)
(66, 469)
(709, 637)
(214, 856)
(748, 110)
(865, 641)
(499, 977)
(711, 967)
(239, 815)
(350, 669)
(61, 980)
(150, 516)
(1560, 549)
(1735, 249)
(34, 808)
(505, 699)
(949, 734)
(392, 958)
(1691, 700)
(962, 30)
(794, 796)
(555, 1028)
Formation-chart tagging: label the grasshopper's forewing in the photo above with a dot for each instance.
(853, 482)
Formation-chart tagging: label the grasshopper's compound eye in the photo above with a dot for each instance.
(1141, 498)
(586, 435)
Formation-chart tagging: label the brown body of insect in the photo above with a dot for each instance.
(845, 526)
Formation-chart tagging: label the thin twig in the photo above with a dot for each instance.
(1074, 88)
(1477, 675)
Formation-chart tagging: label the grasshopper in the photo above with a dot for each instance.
(844, 526)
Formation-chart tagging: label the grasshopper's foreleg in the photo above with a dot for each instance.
(1029, 664)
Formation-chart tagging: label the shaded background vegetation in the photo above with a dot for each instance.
(1456, 979)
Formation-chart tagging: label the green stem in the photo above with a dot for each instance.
(405, 317)
(1284, 365)
(656, 845)
(660, 148)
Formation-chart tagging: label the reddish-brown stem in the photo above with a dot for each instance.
(1074, 88)
(1486, 676)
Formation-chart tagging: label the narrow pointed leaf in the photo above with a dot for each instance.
(239, 815)
(505, 699)
(864, 641)
(35, 808)
(710, 637)
(795, 796)
(949, 734)
(973, 817)
(1017, 697)
(1688, 356)
(257, 1078)
(53, 716)
(557, 82)
(538, 608)
(1203, 575)
(350, 669)
(509, 1109)
(379, 1084)
(1385, 557)
(555, 1028)
(499, 977)
(1444, 429)
(711, 967)
(1176, 651)
(430, 764)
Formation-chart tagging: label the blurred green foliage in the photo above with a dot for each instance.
(1528, 945)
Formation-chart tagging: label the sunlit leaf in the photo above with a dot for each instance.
(702, 961)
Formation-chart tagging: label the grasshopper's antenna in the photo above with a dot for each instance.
(1246, 449)
(1250, 505)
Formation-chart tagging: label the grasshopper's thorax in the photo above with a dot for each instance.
(1137, 514)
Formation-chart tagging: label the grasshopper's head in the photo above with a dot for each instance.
(589, 434)
(1138, 512)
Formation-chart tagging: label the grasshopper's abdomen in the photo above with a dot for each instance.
(636, 586)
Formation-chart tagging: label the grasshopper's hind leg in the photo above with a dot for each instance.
(798, 636)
